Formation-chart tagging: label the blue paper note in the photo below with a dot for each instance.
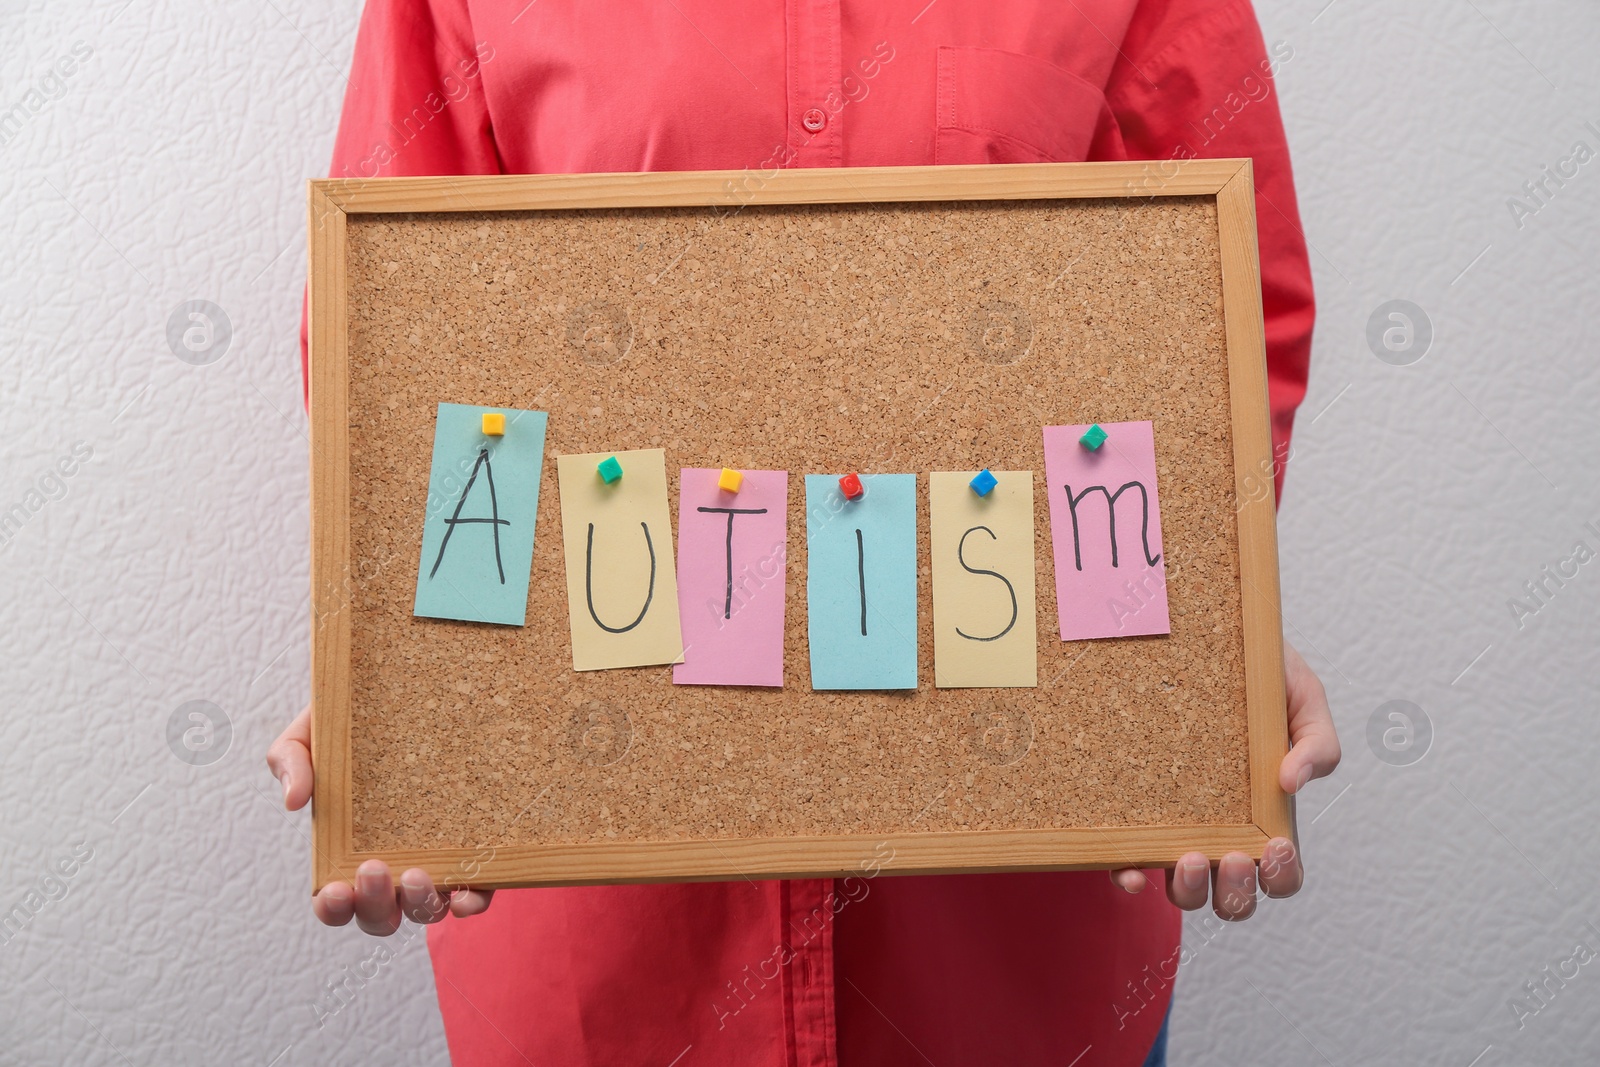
(861, 582)
(483, 498)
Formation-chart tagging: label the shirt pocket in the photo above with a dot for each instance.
(1003, 107)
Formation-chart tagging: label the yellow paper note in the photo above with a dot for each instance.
(984, 630)
(622, 586)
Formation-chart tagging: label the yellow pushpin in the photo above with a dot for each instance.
(730, 480)
(494, 423)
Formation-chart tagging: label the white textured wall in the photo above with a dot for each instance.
(171, 565)
(1420, 499)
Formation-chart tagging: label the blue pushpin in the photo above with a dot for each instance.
(984, 482)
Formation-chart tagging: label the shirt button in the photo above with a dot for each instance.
(814, 120)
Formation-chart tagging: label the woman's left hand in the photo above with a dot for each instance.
(1231, 884)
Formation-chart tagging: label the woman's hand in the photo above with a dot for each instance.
(375, 902)
(1313, 753)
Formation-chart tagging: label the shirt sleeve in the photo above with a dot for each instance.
(414, 104)
(1195, 80)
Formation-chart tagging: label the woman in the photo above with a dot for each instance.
(1020, 969)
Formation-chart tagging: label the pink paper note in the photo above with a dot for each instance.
(1106, 587)
(731, 553)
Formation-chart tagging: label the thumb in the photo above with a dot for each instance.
(289, 760)
(1314, 743)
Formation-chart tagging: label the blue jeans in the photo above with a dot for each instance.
(1158, 1050)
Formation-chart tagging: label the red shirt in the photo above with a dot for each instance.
(1019, 969)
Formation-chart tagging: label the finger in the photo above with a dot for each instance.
(377, 911)
(419, 901)
(465, 903)
(1233, 887)
(1314, 743)
(1281, 873)
(334, 904)
(289, 759)
(1129, 879)
(1189, 880)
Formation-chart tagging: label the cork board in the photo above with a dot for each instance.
(890, 320)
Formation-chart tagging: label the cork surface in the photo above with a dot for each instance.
(882, 338)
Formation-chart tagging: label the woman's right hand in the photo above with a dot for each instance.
(375, 902)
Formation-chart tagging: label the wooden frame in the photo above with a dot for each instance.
(1229, 181)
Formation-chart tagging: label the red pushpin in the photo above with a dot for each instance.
(850, 486)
